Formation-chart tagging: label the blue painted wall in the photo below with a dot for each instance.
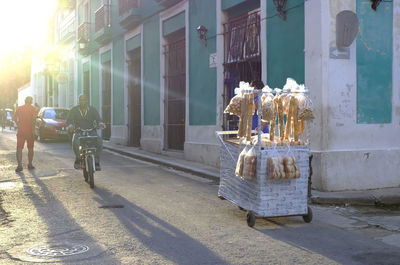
(374, 62)
(285, 45)
(202, 79)
(151, 71)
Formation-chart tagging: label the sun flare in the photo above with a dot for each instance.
(24, 23)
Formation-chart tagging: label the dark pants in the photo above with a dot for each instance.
(75, 147)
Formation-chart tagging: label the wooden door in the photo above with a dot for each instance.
(175, 94)
(135, 106)
(106, 99)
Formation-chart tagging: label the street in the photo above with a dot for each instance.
(144, 213)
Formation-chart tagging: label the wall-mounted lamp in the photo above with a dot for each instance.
(202, 31)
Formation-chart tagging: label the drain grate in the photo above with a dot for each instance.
(60, 250)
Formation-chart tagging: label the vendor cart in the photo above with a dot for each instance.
(263, 196)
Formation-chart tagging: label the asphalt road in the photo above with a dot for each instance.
(142, 213)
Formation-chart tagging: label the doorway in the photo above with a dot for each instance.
(106, 99)
(135, 97)
(242, 58)
(175, 93)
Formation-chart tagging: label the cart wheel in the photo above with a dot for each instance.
(251, 219)
(308, 217)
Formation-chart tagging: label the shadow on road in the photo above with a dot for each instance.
(160, 237)
(61, 225)
(337, 244)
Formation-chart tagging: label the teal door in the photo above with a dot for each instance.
(374, 62)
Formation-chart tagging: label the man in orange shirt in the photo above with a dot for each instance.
(25, 117)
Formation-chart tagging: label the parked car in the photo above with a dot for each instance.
(51, 123)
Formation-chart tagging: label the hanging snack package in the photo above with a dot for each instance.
(240, 162)
(275, 169)
(235, 105)
(305, 105)
(265, 140)
(250, 164)
(291, 168)
(267, 107)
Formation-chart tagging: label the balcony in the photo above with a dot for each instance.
(102, 26)
(84, 32)
(130, 13)
(67, 28)
(167, 3)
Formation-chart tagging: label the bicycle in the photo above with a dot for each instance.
(87, 151)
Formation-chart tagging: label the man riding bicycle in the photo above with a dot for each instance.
(85, 117)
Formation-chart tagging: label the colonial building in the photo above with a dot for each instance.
(162, 71)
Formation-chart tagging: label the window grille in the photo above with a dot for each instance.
(242, 38)
(242, 57)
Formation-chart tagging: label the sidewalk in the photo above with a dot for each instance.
(388, 196)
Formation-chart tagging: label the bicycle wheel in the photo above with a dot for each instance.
(90, 170)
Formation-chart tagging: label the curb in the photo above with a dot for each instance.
(350, 200)
(367, 198)
(165, 162)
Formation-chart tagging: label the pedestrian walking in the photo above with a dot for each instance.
(3, 119)
(25, 118)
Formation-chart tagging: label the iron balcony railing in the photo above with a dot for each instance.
(102, 17)
(84, 32)
(126, 5)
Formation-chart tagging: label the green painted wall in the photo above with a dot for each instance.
(118, 66)
(230, 3)
(242, 7)
(86, 66)
(80, 76)
(106, 56)
(374, 62)
(151, 71)
(95, 4)
(80, 14)
(173, 24)
(285, 45)
(202, 79)
(133, 43)
(95, 80)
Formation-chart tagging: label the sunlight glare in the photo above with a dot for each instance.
(24, 23)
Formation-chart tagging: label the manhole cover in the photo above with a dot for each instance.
(61, 250)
